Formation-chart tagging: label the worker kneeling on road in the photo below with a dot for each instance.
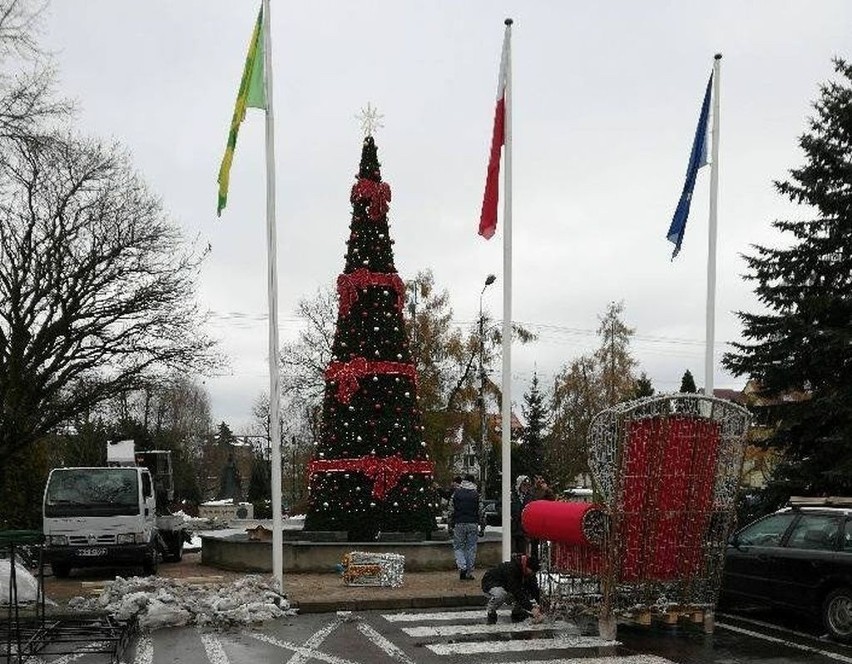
(514, 583)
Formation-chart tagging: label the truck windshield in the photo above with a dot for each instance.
(93, 492)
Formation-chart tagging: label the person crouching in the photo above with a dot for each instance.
(513, 582)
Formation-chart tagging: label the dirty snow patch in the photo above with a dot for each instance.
(160, 602)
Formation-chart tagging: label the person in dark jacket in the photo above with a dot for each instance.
(513, 582)
(465, 515)
(523, 495)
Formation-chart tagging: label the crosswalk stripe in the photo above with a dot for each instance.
(456, 630)
(213, 648)
(144, 651)
(626, 659)
(555, 643)
(443, 615)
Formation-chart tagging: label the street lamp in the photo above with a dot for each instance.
(490, 279)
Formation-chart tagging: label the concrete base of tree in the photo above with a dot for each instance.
(236, 552)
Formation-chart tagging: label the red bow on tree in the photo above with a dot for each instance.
(384, 471)
(378, 193)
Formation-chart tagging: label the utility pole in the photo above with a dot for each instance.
(482, 456)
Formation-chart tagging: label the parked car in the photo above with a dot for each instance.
(799, 558)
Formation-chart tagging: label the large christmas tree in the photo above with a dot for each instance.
(370, 471)
(799, 347)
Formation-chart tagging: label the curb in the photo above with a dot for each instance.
(389, 604)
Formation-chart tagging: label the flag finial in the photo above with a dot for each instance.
(370, 119)
(718, 56)
(508, 21)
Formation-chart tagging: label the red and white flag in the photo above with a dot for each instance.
(488, 218)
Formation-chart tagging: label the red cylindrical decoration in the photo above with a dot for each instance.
(580, 524)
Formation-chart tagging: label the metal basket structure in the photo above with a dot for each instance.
(666, 472)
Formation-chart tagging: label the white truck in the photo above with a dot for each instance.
(113, 516)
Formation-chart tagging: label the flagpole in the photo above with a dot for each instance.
(711, 243)
(506, 439)
(272, 283)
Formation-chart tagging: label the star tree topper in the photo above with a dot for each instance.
(370, 119)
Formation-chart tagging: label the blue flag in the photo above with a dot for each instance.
(697, 159)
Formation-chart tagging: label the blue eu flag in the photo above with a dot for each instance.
(697, 159)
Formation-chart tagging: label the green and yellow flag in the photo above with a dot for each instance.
(252, 94)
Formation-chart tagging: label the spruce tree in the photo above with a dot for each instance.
(643, 387)
(799, 350)
(370, 469)
(687, 383)
(535, 431)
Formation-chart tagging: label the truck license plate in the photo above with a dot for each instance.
(93, 552)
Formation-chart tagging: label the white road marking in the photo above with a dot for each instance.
(626, 659)
(761, 623)
(299, 657)
(302, 651)
(213, 648)
(456, 630)
(144, 651)
(443, 615)
(390, 649)
(556, 643)
(790, 644)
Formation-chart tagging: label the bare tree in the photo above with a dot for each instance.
(96, 287)
(19, 21)
(27, 103)
(303, 362)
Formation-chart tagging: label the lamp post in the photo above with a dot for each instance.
(490, 279)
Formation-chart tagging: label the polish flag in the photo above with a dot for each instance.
(488, 218)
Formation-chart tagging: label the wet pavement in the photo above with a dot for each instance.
(459, 636)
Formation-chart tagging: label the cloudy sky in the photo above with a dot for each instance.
(606, 97)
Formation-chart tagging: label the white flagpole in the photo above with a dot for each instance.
(272, 283)
(506, 439)
(711, 243)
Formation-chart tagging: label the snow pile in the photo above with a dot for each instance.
(161, 602)
(25, 582)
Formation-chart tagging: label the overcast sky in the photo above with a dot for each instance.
(606, 98)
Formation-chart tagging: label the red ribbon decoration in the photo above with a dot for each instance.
(378, 193)
(347, 374)
(384, 471)
(348, 285)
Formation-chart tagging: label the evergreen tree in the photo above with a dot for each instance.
(687, 383)
(801, 346)
(535, 432)
(643, 387)
(370, 471)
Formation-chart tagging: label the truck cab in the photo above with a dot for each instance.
(100, 517)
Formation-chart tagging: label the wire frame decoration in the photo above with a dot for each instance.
(666, 472)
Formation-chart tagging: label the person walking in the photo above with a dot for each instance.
(513, 582)
(465, 515)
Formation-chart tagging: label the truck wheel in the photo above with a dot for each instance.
(837, 614)
(60, 570)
